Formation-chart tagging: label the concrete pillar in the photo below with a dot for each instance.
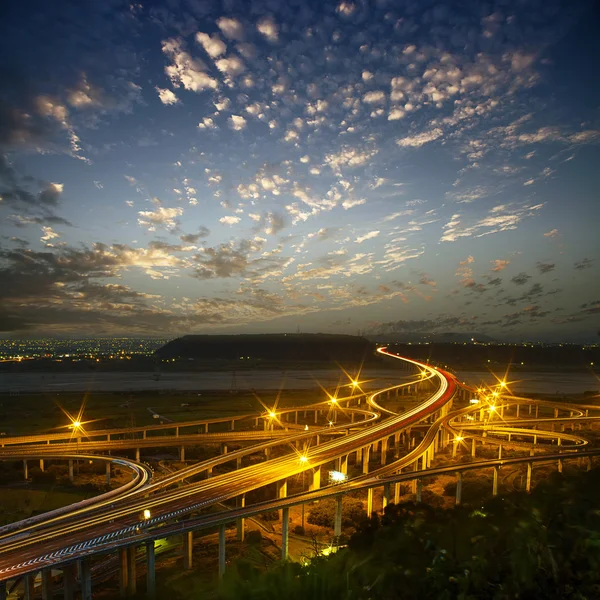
(419, 490)
(182, 454)
(137, 455)
(589, 463)
(282, 493)
(386, 494)
(29, 583)
(238, 462)
(474, 448)
(131, 577)
(528, 480)
(560, 465)
(267, 453)
(459, 487)
(358, 456)
(71, 476)
(188, 548)
(285, 530)
(221, 551)
(518, 407)
(232, 424)
(150, 570)
(123, 572)
(344, 464)
(86, 579)
(369, 502)
(365, 459)
(397, 492)
(41, 464)
(69, 580)
(107, 473)
(495, 483)
(47, 584)
(499, 451)
(25, 471)
(316, 482)
(224, 448)
(316, 417)
(384, 447)
(337, 526)
(240, 503)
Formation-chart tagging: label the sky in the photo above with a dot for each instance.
(376, 166)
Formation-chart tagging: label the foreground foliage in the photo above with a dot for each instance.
(526, 546)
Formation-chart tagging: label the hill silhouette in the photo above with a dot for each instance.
(280, 347)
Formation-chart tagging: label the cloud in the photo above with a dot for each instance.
(545, 267)
(229, 220)
(213, 45)
(552, 234)
(161, 217)
(499, 264)
(48, 235)
(374, 97)
(232, 28)
(521, 278)
(193, 238)
(268, 28)
(232, 65)
(167, 96)
(416, 141)
(347, 204)
(586, 263)
(236, 122)
(366, 236)
(184, 70)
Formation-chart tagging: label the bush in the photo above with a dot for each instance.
(254, 537)
(323, 513)
(299, 530)
(38, 476)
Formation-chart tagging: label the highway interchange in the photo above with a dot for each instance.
(148, 508)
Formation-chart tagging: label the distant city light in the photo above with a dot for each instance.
(337, 477)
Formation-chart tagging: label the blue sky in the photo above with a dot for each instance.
(378, 166)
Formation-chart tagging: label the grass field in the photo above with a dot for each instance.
(37, 413)
(20, 502)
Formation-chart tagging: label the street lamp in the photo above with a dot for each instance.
(147, 514)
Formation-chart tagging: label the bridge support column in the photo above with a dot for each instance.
(25, 471)
(369, 502)
(122, 572)
(386, 494)
(224, 448)
(589, 463)
(495, 482)
(41, 464)
(150, 570)
(560, 465)
(518, 408)
(47, 584)
(499, 451)
(240, 503)
(337, 524)
(459, 487)
(282, 493)
(107, 473)
(29, 583)
(71, 476)
(365, 459)
(474, 448)
(86, 579)
(358, 456)
(316, 416)
(137, 455)
(344, 465)
(419, 490)
(384, 448)
(131, 575)
(316, 482)
(69, 572)
(221, 551)
(397, 492)
(182, 454)
(267, 453)
(528, 480)
(188, 547)
(238, 462)
(285, 531)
